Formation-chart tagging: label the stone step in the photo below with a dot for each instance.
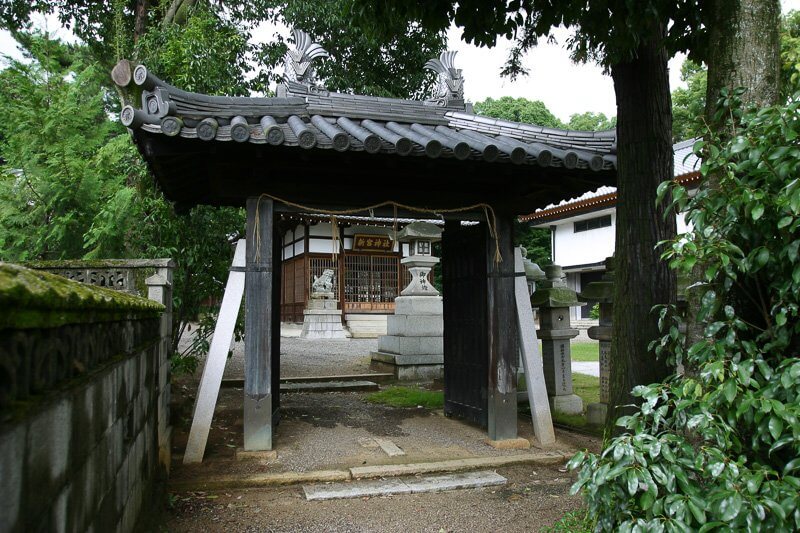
(364, 326)
(331, 386)
(375, 317)
(414, 485)
(376, 377)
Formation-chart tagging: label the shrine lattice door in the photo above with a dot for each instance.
(371, 283)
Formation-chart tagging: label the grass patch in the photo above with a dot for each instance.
(585, 351)
(573, 522)
(408, 397)
(588, 388)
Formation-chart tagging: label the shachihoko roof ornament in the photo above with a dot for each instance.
(450, 89)
(299, 62)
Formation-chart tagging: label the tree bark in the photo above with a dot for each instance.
(744, 51)
(140, 22)
(643, 280)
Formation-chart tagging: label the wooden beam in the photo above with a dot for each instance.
(208, 391)
(502, 329)
(258, 325)
(277, 282)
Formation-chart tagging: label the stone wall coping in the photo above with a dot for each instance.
(101, 263)
(37, 299)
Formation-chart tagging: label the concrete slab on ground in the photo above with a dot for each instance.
(386, 487)
(590, 368)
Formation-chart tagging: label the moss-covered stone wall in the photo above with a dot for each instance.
(80, 417)
(38, 299)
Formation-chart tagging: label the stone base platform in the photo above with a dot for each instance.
(409, 367)
(596, 413)
(413, 348)
(568, 404)
(322, 320)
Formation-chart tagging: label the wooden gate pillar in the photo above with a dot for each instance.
(481, 350)
(503, 337)
(258, 324)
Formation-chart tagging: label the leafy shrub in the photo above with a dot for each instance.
(594, 313)
(719, 447)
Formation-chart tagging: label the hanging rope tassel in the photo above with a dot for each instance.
(335, 239)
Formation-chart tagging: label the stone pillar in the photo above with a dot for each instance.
(554, 298)
(413, 346)
(603, 293)
(159, 289)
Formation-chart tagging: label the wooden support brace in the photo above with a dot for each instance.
(217, 356)
(532, 358)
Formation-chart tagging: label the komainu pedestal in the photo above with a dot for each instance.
(322, 319)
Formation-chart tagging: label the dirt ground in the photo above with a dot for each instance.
(534, 498)
(320, 431)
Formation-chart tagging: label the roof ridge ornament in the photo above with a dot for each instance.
(299, 62)
(450, 89)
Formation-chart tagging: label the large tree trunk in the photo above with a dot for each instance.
(141, 12)
(644, 160)
(744, 51)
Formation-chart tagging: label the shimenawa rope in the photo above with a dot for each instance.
(491, 218)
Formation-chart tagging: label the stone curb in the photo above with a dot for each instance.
(257, 480)
(363, 472)
(456, 465)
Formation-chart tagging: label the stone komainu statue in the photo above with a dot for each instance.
(323, 283)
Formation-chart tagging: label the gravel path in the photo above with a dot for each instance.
(303, 357)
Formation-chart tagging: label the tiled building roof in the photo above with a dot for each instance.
(687, 171)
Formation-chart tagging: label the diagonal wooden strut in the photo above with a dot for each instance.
(211, 380)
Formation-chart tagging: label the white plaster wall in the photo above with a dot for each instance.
(590, 246)
(320, 246)
(683, 227)
(584, 247)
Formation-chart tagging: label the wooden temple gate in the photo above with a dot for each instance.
(273, 154)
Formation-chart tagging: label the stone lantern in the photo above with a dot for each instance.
(533, 273)
(420, 237)
(554, 298)
(413, 347)
(602, 292)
